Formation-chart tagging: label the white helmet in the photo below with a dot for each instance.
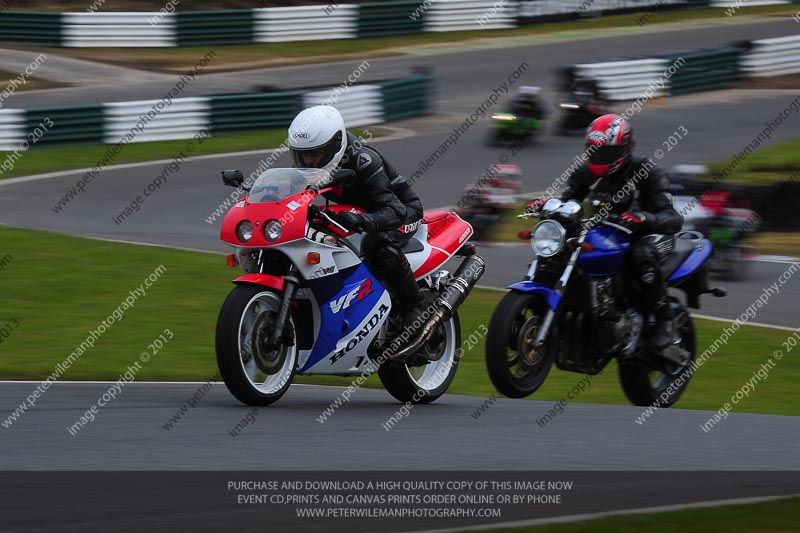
(318, 138)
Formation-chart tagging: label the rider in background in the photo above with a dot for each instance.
(644, 207)
(528, 104)
(318, 139)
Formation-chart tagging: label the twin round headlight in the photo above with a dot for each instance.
(548, 238)
(272, 230)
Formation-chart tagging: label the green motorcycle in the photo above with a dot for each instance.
(510, 128)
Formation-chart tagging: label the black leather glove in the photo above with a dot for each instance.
(355, 222)
(636, 221)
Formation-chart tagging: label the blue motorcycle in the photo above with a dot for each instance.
(578, 308)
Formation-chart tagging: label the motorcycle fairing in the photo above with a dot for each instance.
(360, 306)
(265, 280)
(552, 298)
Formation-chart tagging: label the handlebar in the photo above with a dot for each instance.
(583, 222)
(324, 214)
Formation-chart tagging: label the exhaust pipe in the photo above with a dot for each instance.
(442, 309)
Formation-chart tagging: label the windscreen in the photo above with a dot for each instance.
(276, 184)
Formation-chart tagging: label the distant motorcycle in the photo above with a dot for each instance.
(575, 308)
(508, 127)
(578, 113)
(727, 225)
(485, 201)
(728, 234)
(307, 304)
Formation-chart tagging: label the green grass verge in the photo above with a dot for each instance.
(770, 517)
(58, 288)
(773, 164)
(31, 84)
(777, 243)
(238, 57)
(70, 157)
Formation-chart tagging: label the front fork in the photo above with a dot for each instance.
(559, 290)
(277, 337)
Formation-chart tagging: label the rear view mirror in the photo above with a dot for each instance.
(232, 178)
(343, 176)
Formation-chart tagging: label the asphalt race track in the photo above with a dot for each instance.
(129, 434)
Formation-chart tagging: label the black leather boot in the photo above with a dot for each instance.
(411, 300)
(662, 332)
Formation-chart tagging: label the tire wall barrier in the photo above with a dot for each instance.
(153, 120)
(695, 70)
(297, 23)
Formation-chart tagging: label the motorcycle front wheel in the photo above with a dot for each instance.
(255, 374)
(517, 369)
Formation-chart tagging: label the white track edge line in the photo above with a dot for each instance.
(621, 512)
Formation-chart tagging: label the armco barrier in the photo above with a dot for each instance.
(233, 26)
(457, 15)
(117, 30)
(145, 120)
(361, 105)
(389, 18)
(407, 97)
(705, 70)
(255, 111)
(13, 128)
(29, 27)
(772, 57)
(83, 123)
(306, 23)
(181, 120)
(626, 79)
(298, 23)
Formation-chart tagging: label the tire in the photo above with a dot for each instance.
(515, 319)
(248, 308)
(642, 387)
(426, 383)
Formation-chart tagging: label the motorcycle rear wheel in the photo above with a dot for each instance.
(645, 387)
(427, 382)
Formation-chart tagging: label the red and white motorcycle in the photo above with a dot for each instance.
(308, 304)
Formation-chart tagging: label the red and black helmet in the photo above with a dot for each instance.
(609, 144)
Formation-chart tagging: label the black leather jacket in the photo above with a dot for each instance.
(379, 188)
(647, 190)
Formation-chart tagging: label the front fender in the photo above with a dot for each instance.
(265, 280)
(552, 298)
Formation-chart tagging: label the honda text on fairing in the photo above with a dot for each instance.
(308, 304)
(577, 309)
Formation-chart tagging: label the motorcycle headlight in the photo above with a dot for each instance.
(244, 231)
(273, 230)
(548, 238)
(503, 116)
